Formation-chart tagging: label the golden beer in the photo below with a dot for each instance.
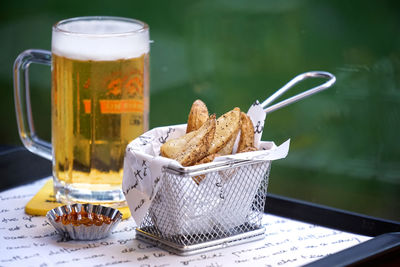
(98, 108)
(99, 104)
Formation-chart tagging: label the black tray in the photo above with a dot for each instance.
(383, 249)
(19, 166)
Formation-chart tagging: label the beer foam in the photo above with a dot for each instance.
(104, 39)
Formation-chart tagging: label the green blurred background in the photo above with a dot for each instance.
(345, 150)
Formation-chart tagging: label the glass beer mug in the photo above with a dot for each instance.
(99, 103)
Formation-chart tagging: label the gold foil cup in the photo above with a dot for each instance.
(84, 221)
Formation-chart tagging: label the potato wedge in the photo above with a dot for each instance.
(197, 117)
(191, 147)
(208, 159)
(227, 149)
(227, 126)
(246, 133)
(173, 147)
(248, 149)
(198, 146)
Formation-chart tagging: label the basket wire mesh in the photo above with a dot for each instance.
(225, 208)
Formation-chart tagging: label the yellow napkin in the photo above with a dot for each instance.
(44, 201)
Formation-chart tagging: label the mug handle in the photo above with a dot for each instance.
(22, 101)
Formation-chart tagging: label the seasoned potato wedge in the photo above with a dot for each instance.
(208, 158)
(226, 128)
(246, 133)
(198, 146)
(197, 117)
(227, 149)
(191, 147)
(248, 149)
(173, 147)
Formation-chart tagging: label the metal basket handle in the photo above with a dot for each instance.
(301, 77)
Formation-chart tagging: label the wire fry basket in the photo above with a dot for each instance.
(218, 204)
(224, 209)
